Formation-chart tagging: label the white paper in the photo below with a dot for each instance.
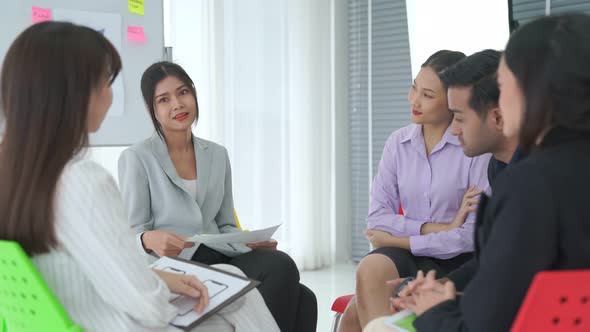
(221, 287)
(236, 237)
(110, 26)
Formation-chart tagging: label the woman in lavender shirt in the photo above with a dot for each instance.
(423, 171)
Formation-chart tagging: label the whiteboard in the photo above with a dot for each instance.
(132, 123)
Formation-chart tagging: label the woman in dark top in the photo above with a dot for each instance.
(540, 211)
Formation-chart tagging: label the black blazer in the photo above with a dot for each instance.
(540, 212)
(463, 275)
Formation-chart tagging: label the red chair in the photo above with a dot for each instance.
(338, 307)
(557, 301)
(340, 303)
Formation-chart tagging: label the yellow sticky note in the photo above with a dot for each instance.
(135, 6)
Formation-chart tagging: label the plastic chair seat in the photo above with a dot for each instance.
(557, 301)
(338, 307)
(340, 303)
(26, 302)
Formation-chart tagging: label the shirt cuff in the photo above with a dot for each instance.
(410, 228)
(415, 227)
(140, 244)
(417, 244)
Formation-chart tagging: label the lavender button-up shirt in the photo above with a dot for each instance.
(429, 189)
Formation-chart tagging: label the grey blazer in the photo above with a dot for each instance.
(156, 198)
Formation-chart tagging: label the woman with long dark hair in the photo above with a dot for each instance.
(66, 212)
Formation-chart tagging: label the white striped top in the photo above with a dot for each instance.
(97, 272)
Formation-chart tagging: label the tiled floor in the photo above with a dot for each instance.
(328, 284)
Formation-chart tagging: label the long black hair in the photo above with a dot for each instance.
(47, 78)
(550, 58)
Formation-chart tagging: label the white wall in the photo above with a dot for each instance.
(459, 25)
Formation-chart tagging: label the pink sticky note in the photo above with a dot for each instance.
(135, 34)
(39, 14)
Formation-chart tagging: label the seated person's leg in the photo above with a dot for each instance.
(279, 279)
(350, 319)
(248, 313)
(372, 293)
(378, 325)
(209, 256)
(214, 323)
(307, 310)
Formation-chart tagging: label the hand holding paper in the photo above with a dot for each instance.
(263, 245)
(165, 243)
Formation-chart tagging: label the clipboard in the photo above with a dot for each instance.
(220, 276)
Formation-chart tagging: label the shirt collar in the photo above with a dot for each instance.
(450, 138)
(415, 135)
(518, 155)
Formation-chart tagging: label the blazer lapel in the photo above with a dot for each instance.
(204, 159)
(161, 153)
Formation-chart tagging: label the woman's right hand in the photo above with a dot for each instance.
(186, 285)
(468, 205)
(165, 243)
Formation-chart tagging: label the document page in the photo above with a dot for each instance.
(222, 288)
(236, 237)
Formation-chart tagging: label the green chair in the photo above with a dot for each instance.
(26, 302)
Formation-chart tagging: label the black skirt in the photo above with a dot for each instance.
(408, 265)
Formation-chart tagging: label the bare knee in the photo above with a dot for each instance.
(373, 268)
(372, 292)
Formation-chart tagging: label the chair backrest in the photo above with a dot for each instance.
(556, 301)
(26, 302)
(237, 220)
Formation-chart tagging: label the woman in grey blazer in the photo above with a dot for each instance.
(176, 185)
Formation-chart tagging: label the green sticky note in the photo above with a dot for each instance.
(135, 6)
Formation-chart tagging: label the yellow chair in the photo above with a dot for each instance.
(238, 221)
